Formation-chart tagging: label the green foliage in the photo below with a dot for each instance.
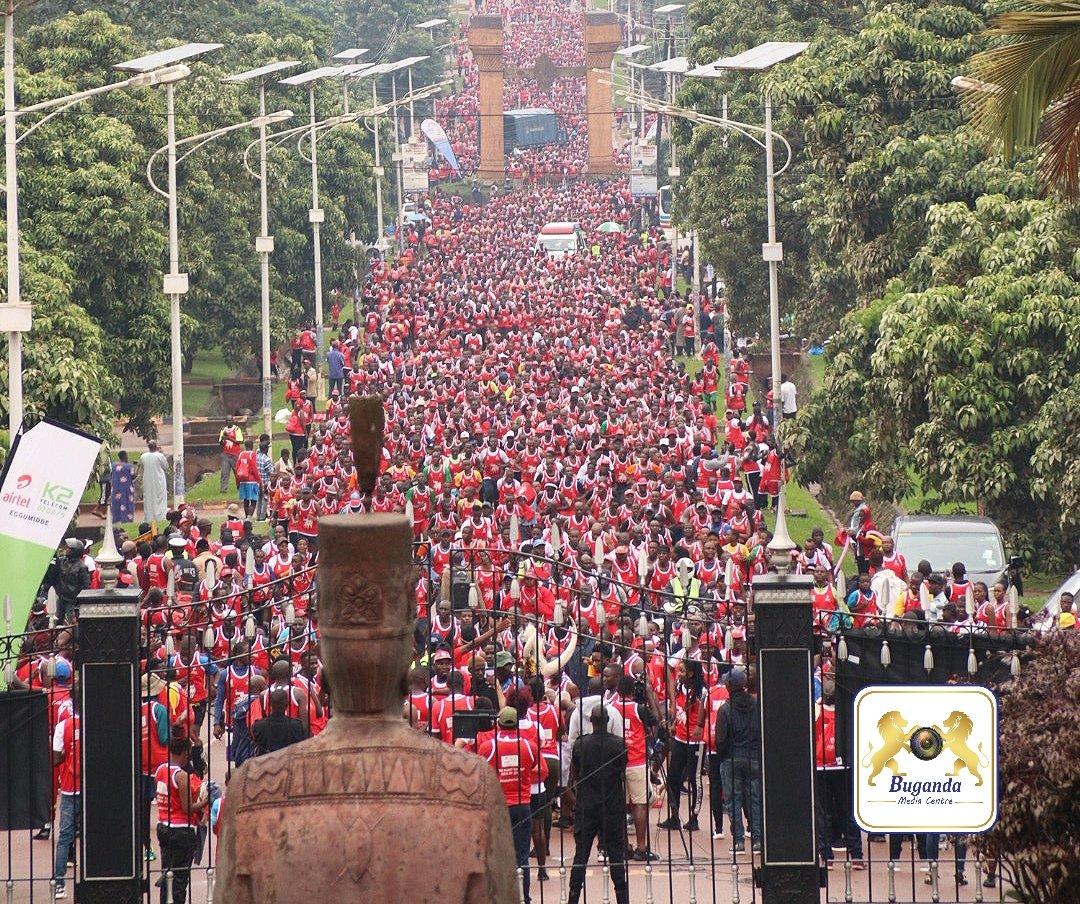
(967, 375)
(723, 194)
(879, 126)
(88, 213)
(68, 376)
(1037, 101)
(1038, 826)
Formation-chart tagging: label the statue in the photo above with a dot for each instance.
(370, 809)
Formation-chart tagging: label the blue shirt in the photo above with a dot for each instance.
(336, 360)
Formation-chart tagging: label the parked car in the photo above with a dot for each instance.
(944, 539)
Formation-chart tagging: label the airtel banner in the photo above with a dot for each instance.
(44, 479)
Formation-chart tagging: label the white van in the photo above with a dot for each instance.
(561, 238)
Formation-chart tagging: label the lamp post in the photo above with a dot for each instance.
(264, 241)
(16, 317)
(349, 56)
(761, 59)
(757, 59)
(175, 282)
(316, 215)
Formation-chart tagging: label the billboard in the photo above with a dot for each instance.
(414, 165)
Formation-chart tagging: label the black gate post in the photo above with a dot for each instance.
(111, 861)
(783, 628)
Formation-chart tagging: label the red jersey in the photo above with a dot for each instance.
(689, 712)
(154, 753)
(514, 759)
(168, 779)
(825, 736)
(66, 738)
(633, 730)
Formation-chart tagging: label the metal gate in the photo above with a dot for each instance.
(195, 653)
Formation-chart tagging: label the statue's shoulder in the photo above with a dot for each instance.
(403, 764)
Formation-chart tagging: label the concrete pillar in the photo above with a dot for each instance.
(783, 629)
(486, 44)
(107, 661)
(603, 35)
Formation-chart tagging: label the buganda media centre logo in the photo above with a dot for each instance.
(926, 759)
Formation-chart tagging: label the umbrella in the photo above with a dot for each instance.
(609, 227)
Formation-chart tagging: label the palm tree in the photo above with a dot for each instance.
(1027, 86)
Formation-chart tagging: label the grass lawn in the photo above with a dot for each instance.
(815, 368)
(210, 366)
(804, 513)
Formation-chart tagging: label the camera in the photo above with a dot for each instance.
(926, 743)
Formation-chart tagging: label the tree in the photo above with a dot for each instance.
(871, 102)
(1038, 826)
(950, 375)
(65, 374)
(84, 201)
(1031, 90)
(722, 194)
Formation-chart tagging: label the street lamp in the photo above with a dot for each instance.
(351, 55)
(429, 26)
(316, 215)
(392, 70)
(16, 317)
(761, 59)
(175, 282)
(264, 241)
(627, 53)
(672, 67)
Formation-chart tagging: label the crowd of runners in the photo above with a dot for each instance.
(588, 516)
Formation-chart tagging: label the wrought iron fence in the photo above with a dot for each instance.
(198, 653)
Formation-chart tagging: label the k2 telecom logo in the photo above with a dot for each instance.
(42, 497)
(925, 759)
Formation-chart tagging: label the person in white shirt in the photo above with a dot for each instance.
(787, 396)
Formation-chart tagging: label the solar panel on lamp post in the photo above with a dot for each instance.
(175, 282)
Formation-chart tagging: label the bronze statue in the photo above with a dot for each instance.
(370, 810)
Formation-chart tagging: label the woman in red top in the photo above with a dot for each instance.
(687, 719)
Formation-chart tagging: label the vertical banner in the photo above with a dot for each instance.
(436, 134)
(43, 482)
(643, 169)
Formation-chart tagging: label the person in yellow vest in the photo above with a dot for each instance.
(684, 590)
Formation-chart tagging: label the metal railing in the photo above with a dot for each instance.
(693, 864)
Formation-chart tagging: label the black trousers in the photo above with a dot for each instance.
(836, 826)
(682, 764)
(716, 792)
(754, 479)
(611, 830)
(177, 853)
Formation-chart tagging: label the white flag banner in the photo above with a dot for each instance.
(43, 482)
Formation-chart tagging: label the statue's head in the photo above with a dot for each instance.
(367, 604)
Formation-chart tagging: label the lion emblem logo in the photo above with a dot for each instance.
(894, 738)
(955, 734)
